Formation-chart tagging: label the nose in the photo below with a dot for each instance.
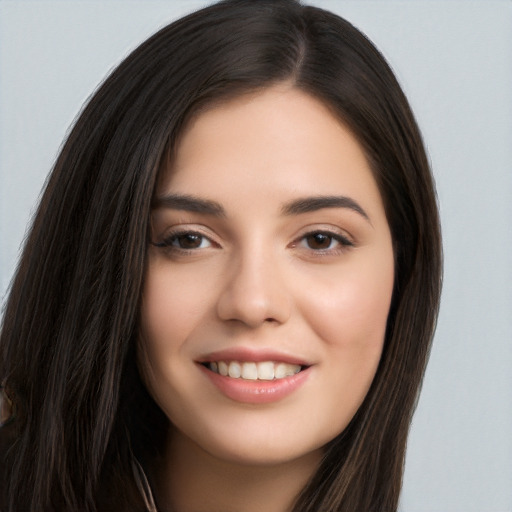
(255, 292)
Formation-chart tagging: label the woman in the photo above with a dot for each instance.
(228, 294)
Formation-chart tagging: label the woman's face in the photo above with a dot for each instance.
(269, 281)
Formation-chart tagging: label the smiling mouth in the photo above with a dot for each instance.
(264, 370)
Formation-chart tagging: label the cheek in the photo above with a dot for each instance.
(166, 321)
(172, 307)
(351, 325)
(352, 312)
(349, 315)
(169, 314)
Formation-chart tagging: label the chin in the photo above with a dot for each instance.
(259, 447)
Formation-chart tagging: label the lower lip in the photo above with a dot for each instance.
(257, 391)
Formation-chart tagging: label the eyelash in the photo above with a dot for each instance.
(343, 242)
(169, 242)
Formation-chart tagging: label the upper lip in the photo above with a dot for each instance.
(248, 354)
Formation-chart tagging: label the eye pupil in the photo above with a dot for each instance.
(319, 241)
(189, 241)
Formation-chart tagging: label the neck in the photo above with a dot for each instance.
(192, 480)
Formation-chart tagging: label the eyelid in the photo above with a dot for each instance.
(167, 238)
(168, 242)
(327, 229)
(335, 236)
(173, 232)
(344, 242)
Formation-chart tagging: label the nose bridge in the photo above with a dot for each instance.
(255, 291)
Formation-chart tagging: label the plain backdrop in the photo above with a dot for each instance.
(454, 61)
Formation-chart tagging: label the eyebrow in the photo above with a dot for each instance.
(311, 204)
(195, 204)
(189, 203)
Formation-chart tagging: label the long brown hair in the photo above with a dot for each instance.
(67, 346)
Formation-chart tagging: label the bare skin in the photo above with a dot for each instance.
(201, 482)
(270, 252)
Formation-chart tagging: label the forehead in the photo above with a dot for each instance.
(276, 141)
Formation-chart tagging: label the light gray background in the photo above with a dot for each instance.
(454, 60)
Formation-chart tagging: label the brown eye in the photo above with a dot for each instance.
(319, 241)
(188, 241)
(325, 241)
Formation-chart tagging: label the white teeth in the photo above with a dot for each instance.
(284, 370)
(235, 370)
(266, 370)
(249, 371)
(223, 368)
